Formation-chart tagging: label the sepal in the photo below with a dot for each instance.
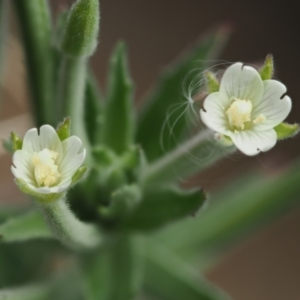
(42, 198)
(64, 129)
(285, 130)
(79, 175)
(223, 140)
(212, 83)
(17, 141)
(267, 70)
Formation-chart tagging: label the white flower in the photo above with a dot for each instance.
(247, 109)
(45, 163)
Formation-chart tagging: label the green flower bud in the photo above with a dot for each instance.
(81, 32)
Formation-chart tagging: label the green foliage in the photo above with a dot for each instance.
(161, 206)
(167, 277)
(167, 93)
(35, 25)
(24, 227)
(82, 27)
(93, 110)
(118, 124)
(16, 140)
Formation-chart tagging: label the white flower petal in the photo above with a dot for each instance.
(242, 82)
(72, 160)
(31, 141)
(72, 166)
(22, 166)
(214, 115)
(49, 139)
(272, 106)
(251, 142)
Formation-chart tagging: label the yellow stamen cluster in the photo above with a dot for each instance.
(239, 113)
(45, 170)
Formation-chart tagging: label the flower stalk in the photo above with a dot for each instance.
(65, 226)
(191, 157)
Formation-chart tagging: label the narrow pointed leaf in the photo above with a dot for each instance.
(24, 227)
(161, 206)
(168, 94)
(169, 278)
(213, 85)
(234, 215)
(35, 25)
(118, 126)
(93, 110)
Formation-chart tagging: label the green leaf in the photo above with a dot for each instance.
(169, 278)
(30, 292)
(267, 70)
(113, 273)
(63, 129)
(168, 93)
(24, 227)
(161, 206)
(123, 201)
(285, 130)
(93, 110)
(118, 126)
(35, 24)
(213, 84)
(82, 27)
(233, 215)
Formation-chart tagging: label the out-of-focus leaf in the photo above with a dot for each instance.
(24, 227)
(118, 125)
(93, 110)
(168, 92)
(161, 206)
(234, 215)
(169, 278)
(34, 292)
(113, 273)
(35, 24)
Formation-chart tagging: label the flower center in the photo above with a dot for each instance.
(239, 113)
(45, 170)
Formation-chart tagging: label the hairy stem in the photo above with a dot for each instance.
(71, 96)
(72, 232)
(189, 158)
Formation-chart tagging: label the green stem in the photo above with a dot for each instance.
(72, 232)
(35, 24)
(189, 158)
(71, 97)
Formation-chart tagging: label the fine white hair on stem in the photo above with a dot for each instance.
(193, 87)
